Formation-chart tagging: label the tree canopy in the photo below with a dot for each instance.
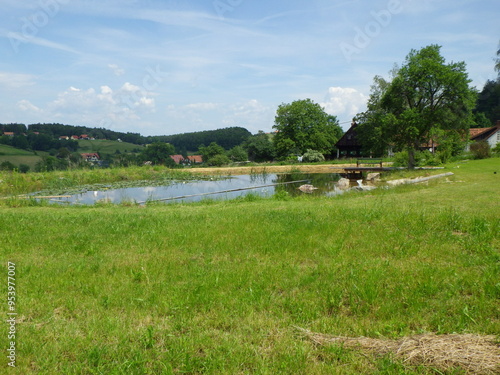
(425, 96)
(227, 138)
(158, 153)
(303, 125)
(259, 147)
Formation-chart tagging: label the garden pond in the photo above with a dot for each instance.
(265, 184)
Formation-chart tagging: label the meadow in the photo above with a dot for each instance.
(106, 146)
(17, 156)
(221, 287)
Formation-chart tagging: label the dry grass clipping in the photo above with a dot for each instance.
(475, 354)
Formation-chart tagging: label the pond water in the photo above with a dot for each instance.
(228, 188)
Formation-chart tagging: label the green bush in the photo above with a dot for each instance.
(313, 156)
(218, 160)
(496, 149)
(480, 150)
(422, 158)
(24, 168)
(7, 166)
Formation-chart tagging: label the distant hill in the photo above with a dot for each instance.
(106, 146)
(227, 138)
(58, 130)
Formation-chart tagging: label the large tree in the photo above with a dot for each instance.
(426, 95)
(259, 147)
(497, 63)
(158, 153)
(488, 104)
(370, 130)
(303, 125)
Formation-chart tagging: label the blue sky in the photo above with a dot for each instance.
(165, 67)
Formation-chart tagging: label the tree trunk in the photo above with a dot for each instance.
(411, 158)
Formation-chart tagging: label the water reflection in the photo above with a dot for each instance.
(265, 184)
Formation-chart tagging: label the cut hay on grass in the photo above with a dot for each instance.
(475, 354)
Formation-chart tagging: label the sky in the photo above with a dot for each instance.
(174, 66)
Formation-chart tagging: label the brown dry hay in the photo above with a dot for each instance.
(323, 168)
(476, 354)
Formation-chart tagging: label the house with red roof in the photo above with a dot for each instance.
(90, 157)
(177, 158)
(195, 159)
(490, 135)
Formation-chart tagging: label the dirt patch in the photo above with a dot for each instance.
(326, 168)
(475, 354)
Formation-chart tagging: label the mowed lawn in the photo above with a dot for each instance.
(220, 287)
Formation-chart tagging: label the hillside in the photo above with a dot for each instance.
(17, 156)
(107, 147)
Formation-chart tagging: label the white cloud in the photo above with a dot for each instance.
(127, 86)
(202, 106)
(117, 71)
(146, 102)
(15, 80)
(27, 106)
(344, 102)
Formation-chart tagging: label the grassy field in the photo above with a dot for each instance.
(106, 146)
(220, 287)
(17, 156)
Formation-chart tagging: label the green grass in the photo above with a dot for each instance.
(17, 156)
(217, 287)
(106, 146)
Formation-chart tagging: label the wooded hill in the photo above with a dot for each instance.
(227, 137)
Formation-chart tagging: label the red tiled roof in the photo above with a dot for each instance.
(90, 155)
(177, 158)
(195, 158)
(477, 134)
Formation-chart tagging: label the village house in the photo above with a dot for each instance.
(8, 134)
(491, 135)
(90, 157)
(63, 137)
(195, 159)
(84, 136)
(348, 145)
(177, 158)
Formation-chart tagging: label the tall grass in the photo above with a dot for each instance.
(218, 287)
(20, 183)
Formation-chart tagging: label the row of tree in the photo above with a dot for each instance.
(38, 142)
(227, 138)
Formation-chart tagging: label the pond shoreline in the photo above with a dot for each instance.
(323, 168)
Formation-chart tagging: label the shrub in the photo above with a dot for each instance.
(313, 156)
(480, 150)
(496, 149)
(218, 160)
(24, 168)
(7, 166)
(422, 158)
